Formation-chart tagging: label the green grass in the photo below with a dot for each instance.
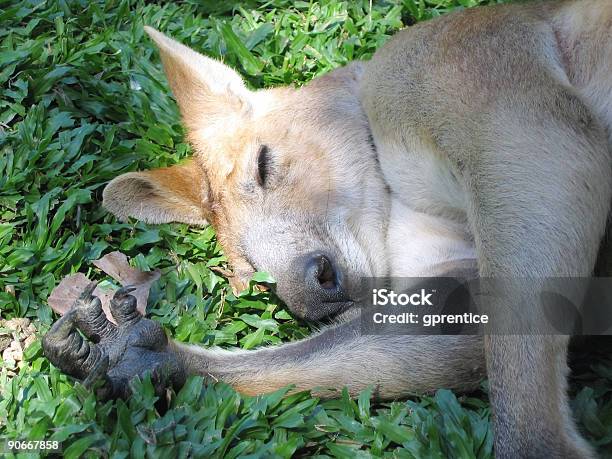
(82, 100)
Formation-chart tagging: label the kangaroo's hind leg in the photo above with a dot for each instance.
(539, 190)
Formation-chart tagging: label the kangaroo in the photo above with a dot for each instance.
(477, 142)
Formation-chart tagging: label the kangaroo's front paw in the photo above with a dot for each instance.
(114, 353)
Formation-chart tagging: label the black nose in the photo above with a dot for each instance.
(322, 278)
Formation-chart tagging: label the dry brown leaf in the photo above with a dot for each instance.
(65, 294)
(70, 288)
(105, 294)
(115, 264)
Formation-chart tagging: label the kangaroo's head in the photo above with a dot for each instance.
(288, 178)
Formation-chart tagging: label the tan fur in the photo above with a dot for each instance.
(492, 129)
(177, 193)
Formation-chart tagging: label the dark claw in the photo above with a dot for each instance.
(92, 321)
(124, 291)
(87, 293)
(123, 306)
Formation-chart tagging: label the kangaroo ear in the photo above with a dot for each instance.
(170, 194)
(204, 88)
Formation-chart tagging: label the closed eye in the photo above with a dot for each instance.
(263, 161)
